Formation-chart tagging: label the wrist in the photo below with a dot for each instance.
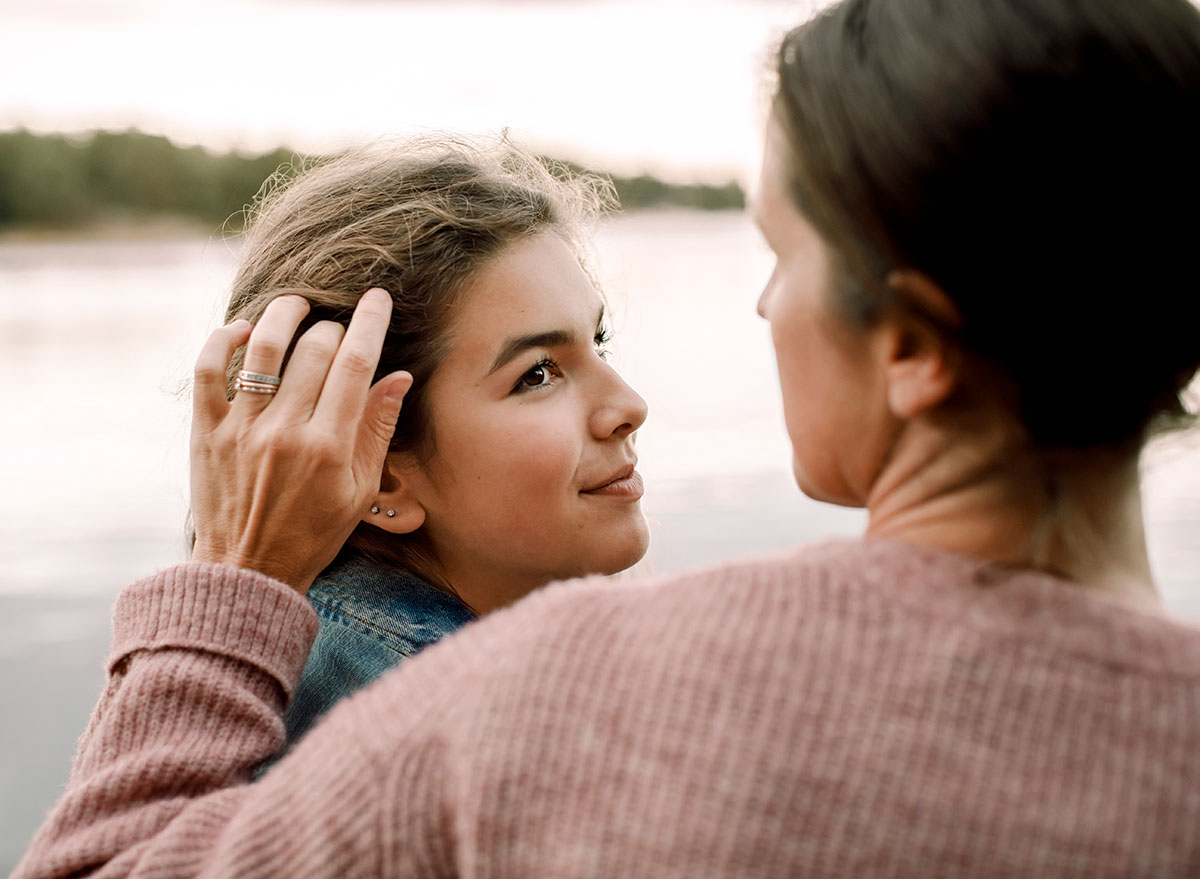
(296, 580)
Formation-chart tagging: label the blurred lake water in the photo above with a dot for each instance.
(97, 339)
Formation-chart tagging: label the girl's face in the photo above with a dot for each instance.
(532, 478)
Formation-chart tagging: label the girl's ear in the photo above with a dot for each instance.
(397, 508)
(925, 362)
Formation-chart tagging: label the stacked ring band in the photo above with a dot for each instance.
(256, 382)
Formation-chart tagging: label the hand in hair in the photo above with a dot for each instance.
(279, 481)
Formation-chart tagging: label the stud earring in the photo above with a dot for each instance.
(374, 508)
(391, 513)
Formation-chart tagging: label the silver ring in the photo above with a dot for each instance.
(255, 389)
(260, 378)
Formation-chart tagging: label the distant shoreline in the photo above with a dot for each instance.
(125, 230)
(129, 180)
(115, 230)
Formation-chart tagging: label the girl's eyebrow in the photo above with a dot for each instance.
(514, 346)
(548, 339)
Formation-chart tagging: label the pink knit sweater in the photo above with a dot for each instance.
(853, 709)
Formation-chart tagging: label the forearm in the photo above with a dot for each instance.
(203, 659)
(205, 656)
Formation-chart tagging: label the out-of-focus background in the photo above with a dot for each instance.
(132, 130)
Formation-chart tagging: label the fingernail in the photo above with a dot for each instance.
(396, 393)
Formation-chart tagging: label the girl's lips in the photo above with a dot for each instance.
(625, 487)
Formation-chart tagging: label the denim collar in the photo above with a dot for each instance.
(391, 604)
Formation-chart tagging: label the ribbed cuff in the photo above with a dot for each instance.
(230, 611)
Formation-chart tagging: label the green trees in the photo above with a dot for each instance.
(62, 181)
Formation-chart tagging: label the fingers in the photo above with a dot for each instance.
(269, 343)
(376, 429)
(307, 369)
(208, 399)
(345, 393)
(383, 410)
(330, 371)
(278, 492)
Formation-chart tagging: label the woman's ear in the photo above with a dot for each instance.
(925, 362)
(397, 507)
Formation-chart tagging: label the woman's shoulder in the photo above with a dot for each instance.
(830, 620)
(877, 607)
(867, 587)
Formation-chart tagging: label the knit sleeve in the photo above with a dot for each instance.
(203, 661)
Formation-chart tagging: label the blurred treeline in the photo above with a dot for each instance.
(60, 181)
(645, 191)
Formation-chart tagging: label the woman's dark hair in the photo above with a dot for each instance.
(1038, 159)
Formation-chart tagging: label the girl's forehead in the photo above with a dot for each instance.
(534, 287)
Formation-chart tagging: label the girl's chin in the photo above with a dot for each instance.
(635, 550)
(621, 553)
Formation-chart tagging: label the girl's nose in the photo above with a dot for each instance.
(621, 410)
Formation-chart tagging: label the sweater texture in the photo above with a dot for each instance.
(859, 708)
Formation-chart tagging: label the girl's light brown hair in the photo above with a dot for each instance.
(418, 218)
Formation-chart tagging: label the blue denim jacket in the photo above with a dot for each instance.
(371, 618)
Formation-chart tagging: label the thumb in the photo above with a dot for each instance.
(383, 407)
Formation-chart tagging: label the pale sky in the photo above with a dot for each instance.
(667, 86)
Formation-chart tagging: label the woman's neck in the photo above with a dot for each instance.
(974, 488)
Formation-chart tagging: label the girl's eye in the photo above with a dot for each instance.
(540, 376)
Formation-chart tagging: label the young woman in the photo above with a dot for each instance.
(513, 460)
(981, 308)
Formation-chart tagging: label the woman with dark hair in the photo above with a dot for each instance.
(981, 310)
